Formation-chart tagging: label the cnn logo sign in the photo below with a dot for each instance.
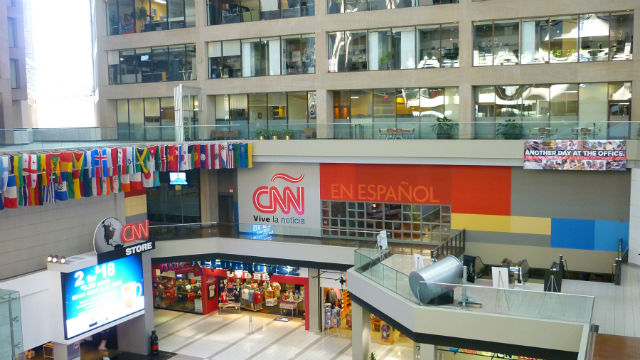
(267, 199)
(134, 232)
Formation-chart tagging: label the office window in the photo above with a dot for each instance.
(214, 52)
(346, 6)
(506, 39)
(535, 109)
(15, 73)
(347, 51)
(379, 49)
(271, 48)
(621, 35)
(384, 110)
(130, 16)
(257, 114)
(156, 64)
(298, 54)
(122, 119)
(235, 11)
(535, 41)
(449, 45)
(11, 22)
(594, 37)
(113, 62)
(619, 111)
(152, 118)
(483, 44)
(485, 98)
(253, 61)
(231, 63)
(564, 39)
(429, 55)
(403, 43)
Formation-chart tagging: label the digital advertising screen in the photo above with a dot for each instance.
(100, 294)
(177, 178)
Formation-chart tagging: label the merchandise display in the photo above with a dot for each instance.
(337, 309)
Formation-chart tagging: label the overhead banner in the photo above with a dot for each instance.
(589, 155)
(112, 240)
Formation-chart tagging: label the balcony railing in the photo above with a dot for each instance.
(347, 130)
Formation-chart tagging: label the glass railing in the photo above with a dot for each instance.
(358, 129)
(515, 302)
(10, 325)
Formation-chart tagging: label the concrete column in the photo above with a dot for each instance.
(208, 196)
(324, 108)
(424, 352)
(66, 352)
(634, 218)
(133, 335)
(360, 332)
(315, 301)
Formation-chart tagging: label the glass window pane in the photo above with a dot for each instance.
(122, 118)
(506, 39)
(136, 119)
(362, 114)
(113, 61)
(176, 10)
(215, 59)
(253, 63)
(619, 110)
(127, 17)
(594, 37)
(167, 118)
(157, 16)
(239, 116)
(143, 55)
(189, 70)
(449, 43)
(341, 109)
(431, 108)
(593, 110)
(337, 52)
(384, 110)
(535, 110)
(11, 22)
(354, 5)
(379, 49)
(429, 46)
(231, 59)
(404, 45)
(222, 108)
(564, 39)
(334, 6)
(189, 13)
(290, 8)
(129, 73)
(152, 119)
(297, 106)
(564, 109)
(311, 103)
(271, 50)
(356, 45)
(535, 41)
(269, 9)
(485, 98)
(482, 44)
(308, 50)
(251, 10)
(277, 114)
(408, 111)
(291, 55)
(508, 110)
(232, 11)
(113, 24)
(452, 103)
(621, 36)
(214, 12)
(257, 113)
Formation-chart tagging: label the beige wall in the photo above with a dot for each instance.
(464, 77)
(12, 112)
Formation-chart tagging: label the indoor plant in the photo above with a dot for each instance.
(445, 128)
(275, 134)
(510, 129)
(263, 133)
(287, 133)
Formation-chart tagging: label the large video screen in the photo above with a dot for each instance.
(100, 294)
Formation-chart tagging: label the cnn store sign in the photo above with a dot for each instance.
(282, 196)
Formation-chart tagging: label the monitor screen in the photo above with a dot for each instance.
(177, 178)
(100, 294)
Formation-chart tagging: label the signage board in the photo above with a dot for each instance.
(279, 199)
(589, 155)
(112, 240)
(101, 294)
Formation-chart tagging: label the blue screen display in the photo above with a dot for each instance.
(100, 294)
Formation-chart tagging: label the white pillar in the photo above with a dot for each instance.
(424, 352)
(315, 295)
(133, 335)
(634, 218)
(360, 332)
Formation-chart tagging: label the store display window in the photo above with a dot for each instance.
(337, 310)
(178, 288)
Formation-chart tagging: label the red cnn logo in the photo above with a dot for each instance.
(133, 232)
(275, 199)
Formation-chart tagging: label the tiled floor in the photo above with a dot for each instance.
(231, 336)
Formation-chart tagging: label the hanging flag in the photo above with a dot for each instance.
(115, 184)
(185, 161)
(203, 156)
(222, 155)
(115, 162)
(163, 157)
(125, 184)
(150, 164)
(66, 162)
(172, 158)
(230, 157)
(48, 192)
(105, 157)
(141, 154)
(16, 169)
(243, 155)
(78, 181)
(4, 172)
(11, 193)
(96, 167)
(86, 175)
(195, 157)
(43, 167)
(249, 155)
(61, 193)
(54, 163)
(136, 182)
(237, 155)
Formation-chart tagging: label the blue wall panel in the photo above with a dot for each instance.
(572, 234)
(606, 235)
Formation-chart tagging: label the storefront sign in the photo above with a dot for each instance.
(279, 197)
(590, 155)
(100, 294)
(112, 240)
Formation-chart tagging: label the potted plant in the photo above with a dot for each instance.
(287, 133)
(263, 133)
(141, 17)
(445, 128)
(372, 356)
(275, 134)
(510, 129)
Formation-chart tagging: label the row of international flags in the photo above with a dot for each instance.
(35, 179)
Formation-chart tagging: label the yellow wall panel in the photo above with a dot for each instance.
(135, 205)
(475, 222)
(530, 225)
